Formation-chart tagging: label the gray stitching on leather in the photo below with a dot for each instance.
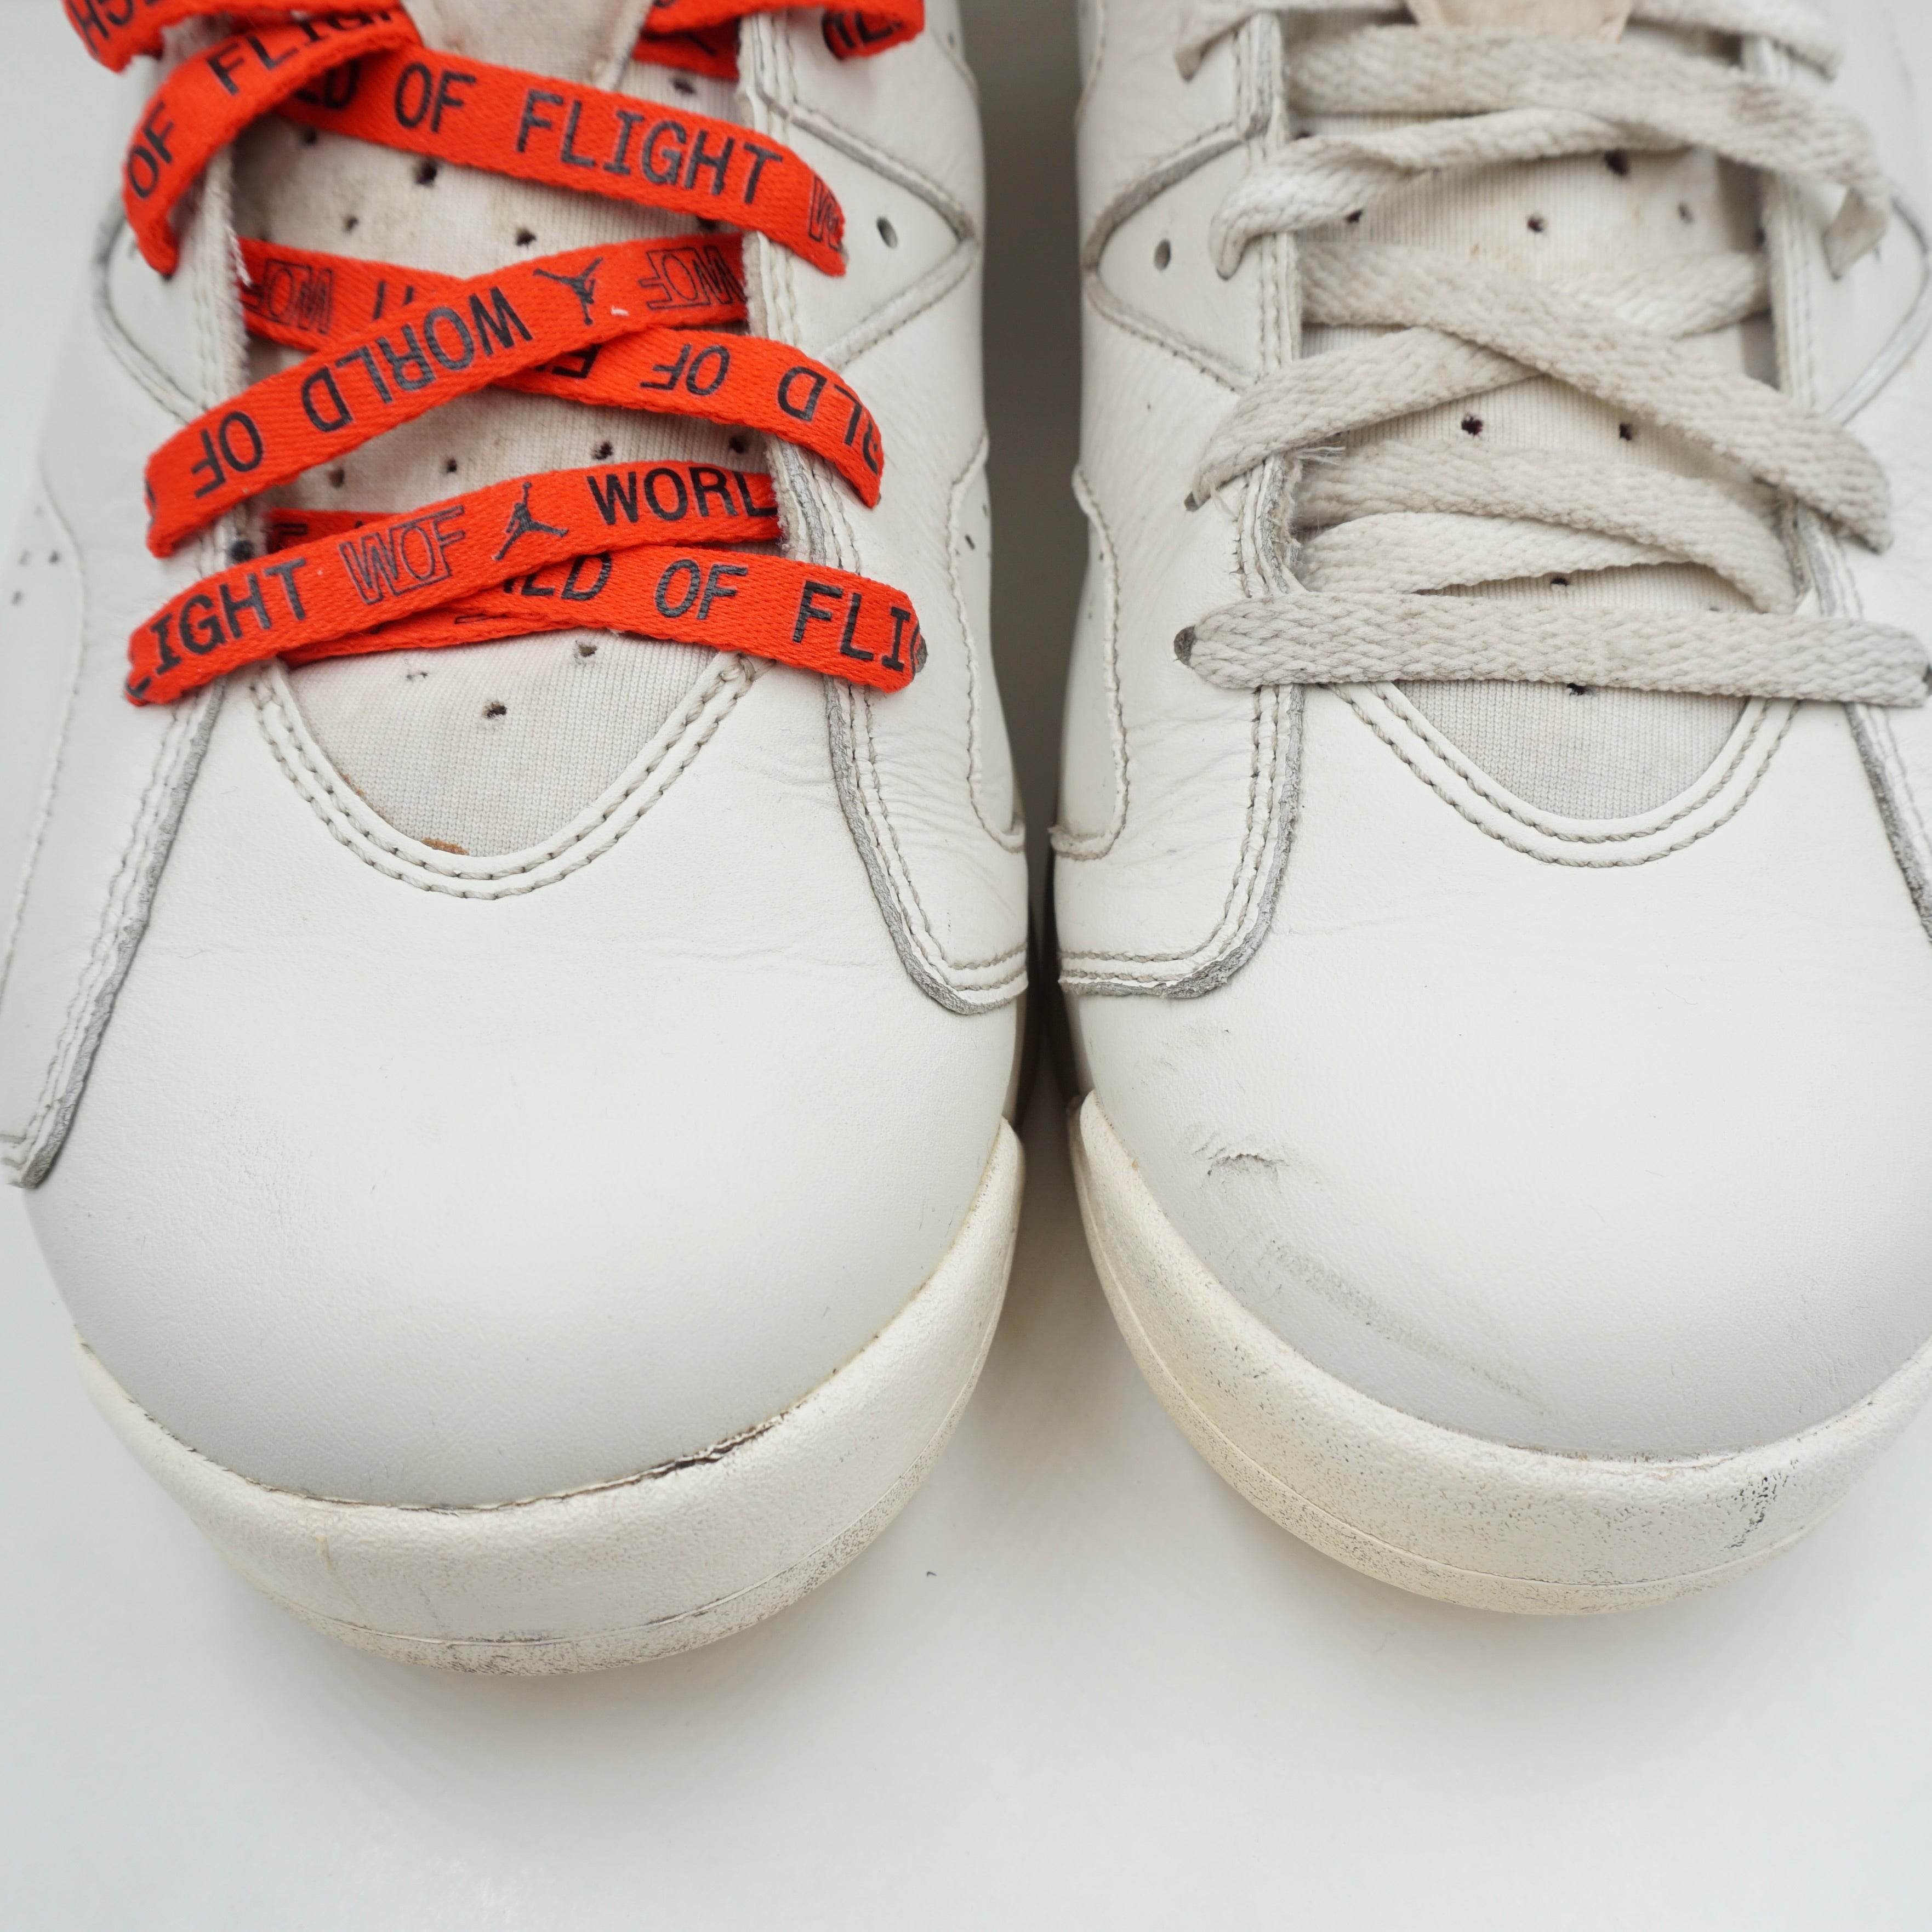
(843, 766)
(144, 372)
(1158, 178)
(130, 893)
(1064, 842)
(1706, 786)
(855, 147)
(1899, 351)
(1823, 552)
(123, 920)
(711, 701)
(1260, 863)
(1116, 310)
(905, 307)
(1014, 839)
(1264, 888)
(817, 526)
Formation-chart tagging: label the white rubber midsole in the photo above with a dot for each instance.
(658, 1562)
(1436, 1511)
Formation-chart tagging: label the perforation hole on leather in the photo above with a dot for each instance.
(1544, 476)
(453, 269)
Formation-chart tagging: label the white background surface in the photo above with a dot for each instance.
(1078, 1682)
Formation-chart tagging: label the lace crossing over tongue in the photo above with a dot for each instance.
(641, 324)
(1434, 315)
(490, 329)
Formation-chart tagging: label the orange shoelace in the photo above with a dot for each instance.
(645, 550)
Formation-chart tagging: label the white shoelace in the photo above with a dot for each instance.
(1385, 525)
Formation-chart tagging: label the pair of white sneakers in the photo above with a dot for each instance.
(513, 1004)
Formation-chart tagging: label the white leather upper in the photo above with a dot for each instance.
(90, 830)
(1600, 1135)
(1625, 1159)
(404, 1175)
(386, 1192)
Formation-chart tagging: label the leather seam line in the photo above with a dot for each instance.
(1890, 361)
(1695, 798)
(141, 369)
(1463, 811)
(1014, 838)
(107, 963)
(773, 109)
(1080, 845)
(704, 710)
(882, 811)
(1154, 181)
(953, 993)
(1247, 869)
(1112, 308)
(904, 309)
(881, 161)
(50, 787)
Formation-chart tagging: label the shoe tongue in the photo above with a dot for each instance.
(1602, 753)
(1603, 19)
(568, 40)
(487, 748)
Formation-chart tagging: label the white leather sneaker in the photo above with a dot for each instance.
(1494, 879)
(508, 1056)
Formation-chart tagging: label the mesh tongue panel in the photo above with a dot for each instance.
(488, 748)
(574, 40)
(1594, 754)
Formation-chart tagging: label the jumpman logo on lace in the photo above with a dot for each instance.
(583, 285)
(522, 524)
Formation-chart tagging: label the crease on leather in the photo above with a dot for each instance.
(207, 288)
(123, 920)
(1247, 910)
(1263, 1479)
(1430, 760)
(816, 526)
(1239, 127)
(874, 794)
(596, 830)
(1066, 842)
(1013, 838)
(50, 783)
